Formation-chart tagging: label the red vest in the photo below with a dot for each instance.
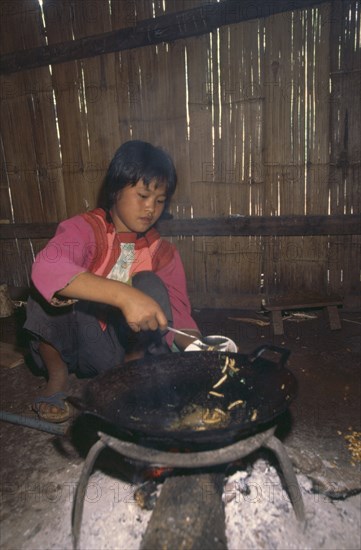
(151, 252)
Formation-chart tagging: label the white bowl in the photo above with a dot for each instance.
(228, 345)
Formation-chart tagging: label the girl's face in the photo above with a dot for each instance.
(138, 207)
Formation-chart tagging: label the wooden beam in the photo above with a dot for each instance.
(343, 224)
(165, 28)
(27, 230)
(264, 225)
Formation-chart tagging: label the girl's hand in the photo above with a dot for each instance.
(142, 312)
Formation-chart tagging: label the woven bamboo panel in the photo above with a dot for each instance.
(28, 114)
(5, 203)
(16, 260)
(20, 22)
(345, 166)
(260, 117)
(99, 98)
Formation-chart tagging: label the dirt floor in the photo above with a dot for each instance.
(39, 471)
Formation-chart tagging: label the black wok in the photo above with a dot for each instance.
(157, 400)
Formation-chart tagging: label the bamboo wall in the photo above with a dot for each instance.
(261, 118)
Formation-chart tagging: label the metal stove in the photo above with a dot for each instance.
(193, 460)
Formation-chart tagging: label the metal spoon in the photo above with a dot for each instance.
(204, 342)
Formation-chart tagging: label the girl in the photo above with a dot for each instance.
(107, 279)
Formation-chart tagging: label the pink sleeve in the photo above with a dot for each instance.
(173, 277)
(66, 255)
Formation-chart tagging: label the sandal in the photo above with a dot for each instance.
(56, 400)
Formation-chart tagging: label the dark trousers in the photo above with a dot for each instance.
(84, 345)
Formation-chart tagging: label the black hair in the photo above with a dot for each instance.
(133, 161)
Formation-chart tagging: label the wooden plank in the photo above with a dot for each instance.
(189, 513)
(246, 225)
(287, 303)
(165, 28)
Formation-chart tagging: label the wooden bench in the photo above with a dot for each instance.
(287, 303)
